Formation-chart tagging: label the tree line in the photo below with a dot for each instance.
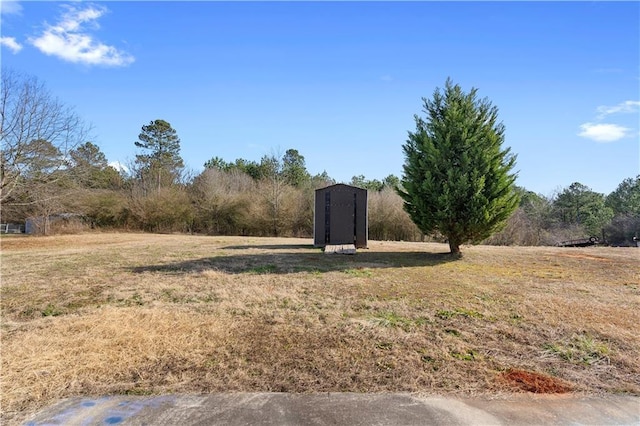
(49, 170)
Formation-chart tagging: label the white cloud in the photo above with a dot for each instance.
(602, 132)
(11, 44)
(69, 40)
(623, 107)
(10, 7)
(119, 167)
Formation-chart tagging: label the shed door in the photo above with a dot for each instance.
(342, 222)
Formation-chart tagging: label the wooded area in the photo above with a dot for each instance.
(51, 173)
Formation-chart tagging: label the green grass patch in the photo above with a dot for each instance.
(468, 355)
(264, 269)
(136, 299)
(385, 346)
(309, 270)
(459, 312)
(360, 272)
(580, 349)
(391, 319)
(51, 311)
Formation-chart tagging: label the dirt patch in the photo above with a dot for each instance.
(529, 381)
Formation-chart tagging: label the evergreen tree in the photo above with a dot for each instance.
(579, 205)
(321, 180)
(89, 166)
(391, 181)
(294, 168)
(161, 161)
(458, 180)
(217, 163)
(362, 182)
(626, 198)
(625, 204)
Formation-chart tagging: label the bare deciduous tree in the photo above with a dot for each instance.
(387, 218)
(33, 125)
(222, 201)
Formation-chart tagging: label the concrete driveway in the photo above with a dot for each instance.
(341, 409)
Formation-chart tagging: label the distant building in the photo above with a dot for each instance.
(60, 223)
(341, 216)
(11, 228)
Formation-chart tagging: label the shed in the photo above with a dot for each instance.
(61, 222)
(340, 216)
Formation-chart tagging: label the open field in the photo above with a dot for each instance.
(145, 314)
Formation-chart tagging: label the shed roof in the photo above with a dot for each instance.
(340, 185)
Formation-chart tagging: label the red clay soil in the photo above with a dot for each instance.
(534, 382)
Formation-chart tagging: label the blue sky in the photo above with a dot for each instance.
(341, 81)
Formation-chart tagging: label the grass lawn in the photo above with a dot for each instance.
(116, 313)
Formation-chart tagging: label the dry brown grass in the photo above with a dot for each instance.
(143, 314)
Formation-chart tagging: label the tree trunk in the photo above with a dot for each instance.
(454, 247)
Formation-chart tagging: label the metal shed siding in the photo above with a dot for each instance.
(341, 216)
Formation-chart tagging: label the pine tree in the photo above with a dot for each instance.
(162, 162)
(457, 178)
(89, 167)
(294, 169)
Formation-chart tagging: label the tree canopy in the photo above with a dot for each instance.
(294, 169)
(626, 198)
(160, 161)
(89, 167)
(458, 180)
(579, 205)
(37, 131)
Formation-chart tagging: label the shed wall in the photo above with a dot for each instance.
(340, 216)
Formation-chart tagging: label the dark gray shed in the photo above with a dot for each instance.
(340, 216)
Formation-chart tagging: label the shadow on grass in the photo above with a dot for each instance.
(272, 247)
(312, 261)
